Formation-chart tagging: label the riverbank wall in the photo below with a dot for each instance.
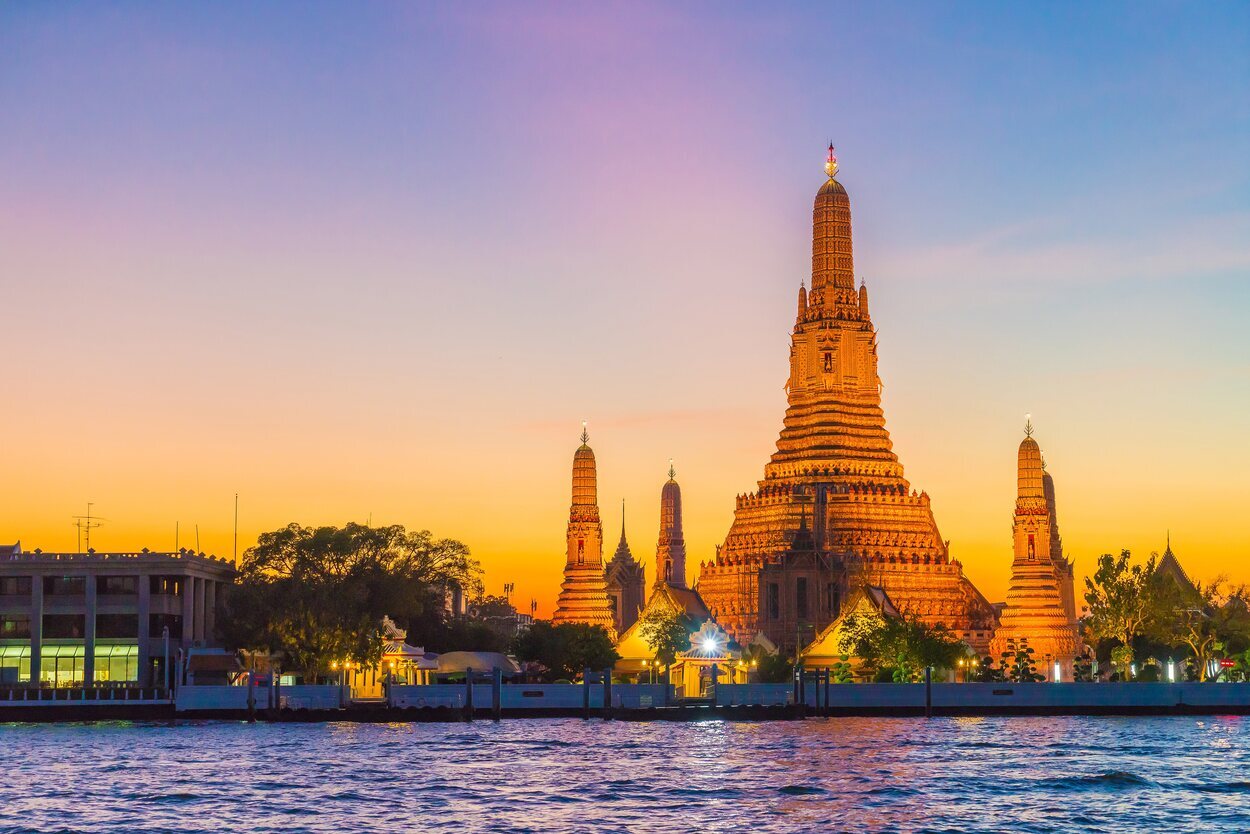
(632, 702)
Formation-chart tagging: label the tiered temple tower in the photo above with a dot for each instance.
(584, 592)
(1041, 604)
(835, 465)
(627, 582)
(670, 550)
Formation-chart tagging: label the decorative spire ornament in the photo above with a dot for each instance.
(1028, 425)
(585, 434)
(672, 473)
(831, 163)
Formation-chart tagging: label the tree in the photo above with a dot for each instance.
(564, 651)
(1206, 620)
(903, 645)
(1082, 669)
(770, 667)
(1124, 602)
(987, 673)
(1017, 664)
(318, 595)
(667, 633)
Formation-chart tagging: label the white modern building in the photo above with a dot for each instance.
(74, 619)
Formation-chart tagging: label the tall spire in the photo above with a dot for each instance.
(670, 551)
(832, 267)
(583, 594)
(622, 547)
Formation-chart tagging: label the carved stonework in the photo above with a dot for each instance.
(1041, 603)
(835, 471)
(584, 592)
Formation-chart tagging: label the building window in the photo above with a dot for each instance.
(800, 595)
(165, 585)
(14, 664)
(831, 598)
(828, 363)
(62, 665)
(64, 626)
(15, 586)
(117, 626)
(116, 585)
(64, 586)
(14, 627)
(774, 601)
(158, 622)
(116, 664)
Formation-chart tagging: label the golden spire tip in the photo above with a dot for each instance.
(831, 163)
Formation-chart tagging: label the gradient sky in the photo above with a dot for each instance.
(361, 261)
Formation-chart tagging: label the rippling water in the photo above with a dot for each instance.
(856, 774)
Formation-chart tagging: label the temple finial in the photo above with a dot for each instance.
(672, 473)
(1028, 425)
(831, 163)
(585, 434)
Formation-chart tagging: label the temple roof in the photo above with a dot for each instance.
(1169, 565)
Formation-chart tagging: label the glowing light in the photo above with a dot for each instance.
(1056, 677)
(709, 645)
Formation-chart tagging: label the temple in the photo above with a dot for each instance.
(669, 593)
(627, 582)
(1041, 602)
(584, 591)
(834, 510)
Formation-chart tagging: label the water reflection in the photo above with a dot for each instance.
(946, 774)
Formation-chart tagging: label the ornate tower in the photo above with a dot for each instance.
(1040, 601)
(627, 582)
(584, 594)
(670, 550)
(835, 457)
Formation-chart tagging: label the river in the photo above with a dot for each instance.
(847, 774)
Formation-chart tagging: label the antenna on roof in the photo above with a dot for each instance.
(85, 524)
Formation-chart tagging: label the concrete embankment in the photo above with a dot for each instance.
(631, 702)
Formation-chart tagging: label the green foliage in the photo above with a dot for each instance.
(1017, 664)
(1207, 620)
(841, 671)
(768, 668)
(1125, 600)
(564, 651)
(317, 595)
(903, 645)
(1082, 670)
(667, 632)
(986, 672)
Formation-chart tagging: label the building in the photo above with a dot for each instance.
(627, 583)
(669, 593)
(835, 479)
(826, 651)
(69, 619)
(1041, 601)
(584, 592)
(1170, 567)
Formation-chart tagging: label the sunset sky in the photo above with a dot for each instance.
(380, 260)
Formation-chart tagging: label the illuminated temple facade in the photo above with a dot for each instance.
(834, 510)
(584, 591)
(1041, 601)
